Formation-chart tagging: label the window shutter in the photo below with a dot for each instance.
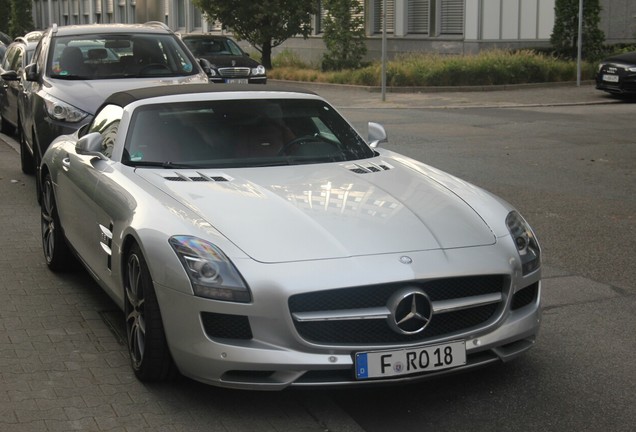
(418, 13)
(452, 17)
(390, 16)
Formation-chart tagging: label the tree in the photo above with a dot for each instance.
(566, 28)
(21, 21)
(343, 35)
(5, 7)
(265, 23)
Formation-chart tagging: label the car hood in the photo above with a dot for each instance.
(231, 61)
(324, 211)
(629, 58)
(88, 95)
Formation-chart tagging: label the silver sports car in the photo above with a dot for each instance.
(255, 240)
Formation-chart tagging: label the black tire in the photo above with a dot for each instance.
(149, 354)
(26, 158)
(57, 254)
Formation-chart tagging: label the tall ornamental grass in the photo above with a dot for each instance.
(496, 67)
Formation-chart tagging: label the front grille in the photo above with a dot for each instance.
(377, 331)
(225, 326)
(234, 72)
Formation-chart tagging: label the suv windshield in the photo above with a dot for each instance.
(241, 133)
(110, 56)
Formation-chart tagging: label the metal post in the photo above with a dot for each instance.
(579, 45)
(383, 50)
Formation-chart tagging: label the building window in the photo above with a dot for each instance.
(320, 18)
(452, 17)
(418, 16)
(378, 25)
(181, 14)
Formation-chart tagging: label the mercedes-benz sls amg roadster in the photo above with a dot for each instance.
(254, 239)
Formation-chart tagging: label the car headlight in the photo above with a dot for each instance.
(525, 241)
(631, 69)
(62, 111)
(258, 70)
(600, 66)
(211, 273)
(212, 72)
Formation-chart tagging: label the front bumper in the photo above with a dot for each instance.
(623, 83)
(271, 354)
(250, 80)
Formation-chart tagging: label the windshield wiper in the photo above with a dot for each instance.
(72, 77)
(165, 165)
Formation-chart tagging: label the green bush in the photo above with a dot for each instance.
(494, 67)
(288, 59)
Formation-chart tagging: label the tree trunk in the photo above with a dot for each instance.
(267, 54)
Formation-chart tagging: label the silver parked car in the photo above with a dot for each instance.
(255, 240)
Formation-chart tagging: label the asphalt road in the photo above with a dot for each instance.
(565, 157)
(571, 170)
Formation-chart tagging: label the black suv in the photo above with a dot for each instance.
(76, 67)
(228, 62)
(17, 56)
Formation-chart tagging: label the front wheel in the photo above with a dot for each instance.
(149, 354)
(56, 252)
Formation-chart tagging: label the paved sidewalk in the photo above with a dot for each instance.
(558, 94)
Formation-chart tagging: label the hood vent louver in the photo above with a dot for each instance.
(369, 167)
(200, 177)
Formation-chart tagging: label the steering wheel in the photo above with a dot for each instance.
(160, 67)
(299, 140)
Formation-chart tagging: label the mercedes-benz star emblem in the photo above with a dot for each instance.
(411, 311)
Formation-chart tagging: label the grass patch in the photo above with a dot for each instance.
(496, 67)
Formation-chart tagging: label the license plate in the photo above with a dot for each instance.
(610, 78)
(236, 81)
(380, 364)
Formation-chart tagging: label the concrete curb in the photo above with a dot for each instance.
(432, 89)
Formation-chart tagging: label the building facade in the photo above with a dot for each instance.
(442, 26)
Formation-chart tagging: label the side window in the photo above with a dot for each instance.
(234, 48)
(19, 58)
(107, 124)
(9, 58)
(6, 63)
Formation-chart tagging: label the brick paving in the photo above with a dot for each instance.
(63, 368)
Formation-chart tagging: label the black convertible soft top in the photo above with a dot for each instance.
(124, 98)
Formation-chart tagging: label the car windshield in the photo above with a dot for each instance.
(89, 57)
(202, 47)
(241, 133)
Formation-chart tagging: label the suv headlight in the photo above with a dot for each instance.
(211, 273)
(525, 241)
(62, 111)
(258, 70)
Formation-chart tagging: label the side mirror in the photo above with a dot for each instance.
(31, 72)
(206, 66)
(377, 134)
(91, 145)
(10, 76)
(83, 129)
